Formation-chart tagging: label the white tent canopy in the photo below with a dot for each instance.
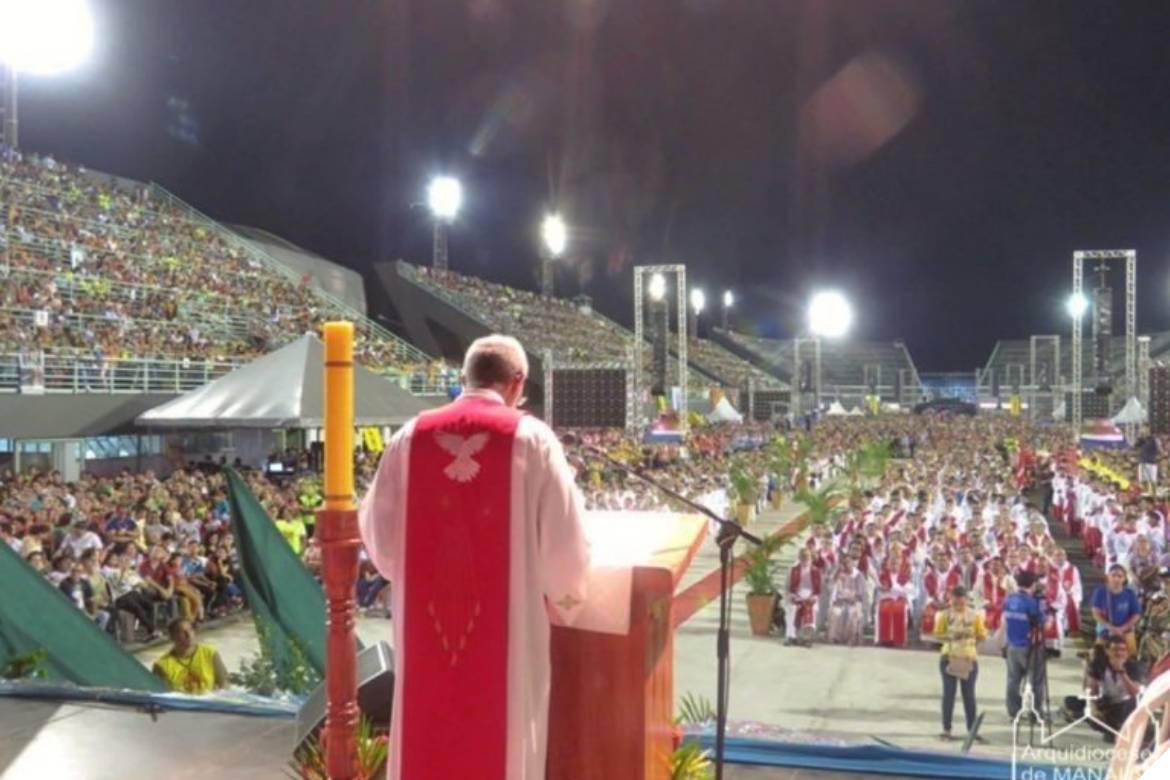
(724, 412)
(835, 409)
(1132, 413)
(856, 412)
(284, 389)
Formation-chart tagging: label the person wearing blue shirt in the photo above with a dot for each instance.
(1116, 608)
(1021, 621)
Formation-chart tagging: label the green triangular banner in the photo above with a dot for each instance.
(36, 616)
(286, 601)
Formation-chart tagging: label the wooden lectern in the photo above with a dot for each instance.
(612, 694)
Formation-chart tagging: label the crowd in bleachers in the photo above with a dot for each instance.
(573, 334)
(107, 271)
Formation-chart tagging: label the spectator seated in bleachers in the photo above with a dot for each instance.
(100, 276)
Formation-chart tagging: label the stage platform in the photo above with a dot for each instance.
(40, 740)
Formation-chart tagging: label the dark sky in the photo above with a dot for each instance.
(938, 161)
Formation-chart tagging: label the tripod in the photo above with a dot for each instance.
(1036, 665)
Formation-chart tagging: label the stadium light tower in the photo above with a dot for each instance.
(38, 37)
(444, 197)
(698, 303)
(728, 302)
(554, 238)
(829, 315)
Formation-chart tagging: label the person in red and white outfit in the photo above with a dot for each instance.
(475, 519)
(1070, 581)
(801, 596)
(997, 584)
(934, 593)
(893, 597)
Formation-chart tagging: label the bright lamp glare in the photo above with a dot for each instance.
(555, 234)
(698, 300)
(1077, 304)
(445, 196)
(728, 299)
(829, 315)
(657, 287)
(45, 36)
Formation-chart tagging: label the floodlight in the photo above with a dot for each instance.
(445, 196)
(657, 287)
(1076, 305)
(45, 36)
(555, 235)
(728, 299)
(829, 314)
(698, 300)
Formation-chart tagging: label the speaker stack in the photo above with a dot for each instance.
(1160, 399)
(1094, 405)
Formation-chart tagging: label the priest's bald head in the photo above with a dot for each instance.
(497, 363)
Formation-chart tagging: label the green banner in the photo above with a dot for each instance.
(36, 616)
(287, 603)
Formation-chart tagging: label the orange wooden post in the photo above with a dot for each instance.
(337, 532)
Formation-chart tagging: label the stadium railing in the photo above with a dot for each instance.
(33, 372)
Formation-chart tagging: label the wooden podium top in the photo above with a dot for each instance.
(622, 541)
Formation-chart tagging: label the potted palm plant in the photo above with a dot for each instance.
(820, 505)
(760, 577)
(744, 492)
(781, 460)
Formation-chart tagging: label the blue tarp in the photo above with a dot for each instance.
(864, 759)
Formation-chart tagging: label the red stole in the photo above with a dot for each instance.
(886, 577)
(457, 566)
(795, 576)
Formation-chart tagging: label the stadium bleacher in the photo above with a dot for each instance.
(843, 363)
(101, 274)
(1010, 357)
(573, 334)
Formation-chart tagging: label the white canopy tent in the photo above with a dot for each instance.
(1133, 413)
(724, 412)
(835, 410)
(284, 389)
(856, 412)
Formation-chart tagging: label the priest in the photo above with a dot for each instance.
(474, 518)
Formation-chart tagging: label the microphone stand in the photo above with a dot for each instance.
(728, 532)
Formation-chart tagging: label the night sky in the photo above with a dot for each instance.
(938, 161)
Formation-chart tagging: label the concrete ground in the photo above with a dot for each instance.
(857, 695)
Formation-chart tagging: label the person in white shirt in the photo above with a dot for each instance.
(80, 538)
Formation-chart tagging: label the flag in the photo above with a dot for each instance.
(287, 603)
(35, 616)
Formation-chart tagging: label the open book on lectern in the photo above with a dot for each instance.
(621, 541)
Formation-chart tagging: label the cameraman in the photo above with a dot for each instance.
(1022, 621)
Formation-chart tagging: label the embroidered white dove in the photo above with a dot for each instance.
(463, 468)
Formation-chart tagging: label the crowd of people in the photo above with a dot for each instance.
(957, 547)
(107, 272)
(974, 517)
(573, 332)
(134, 551)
